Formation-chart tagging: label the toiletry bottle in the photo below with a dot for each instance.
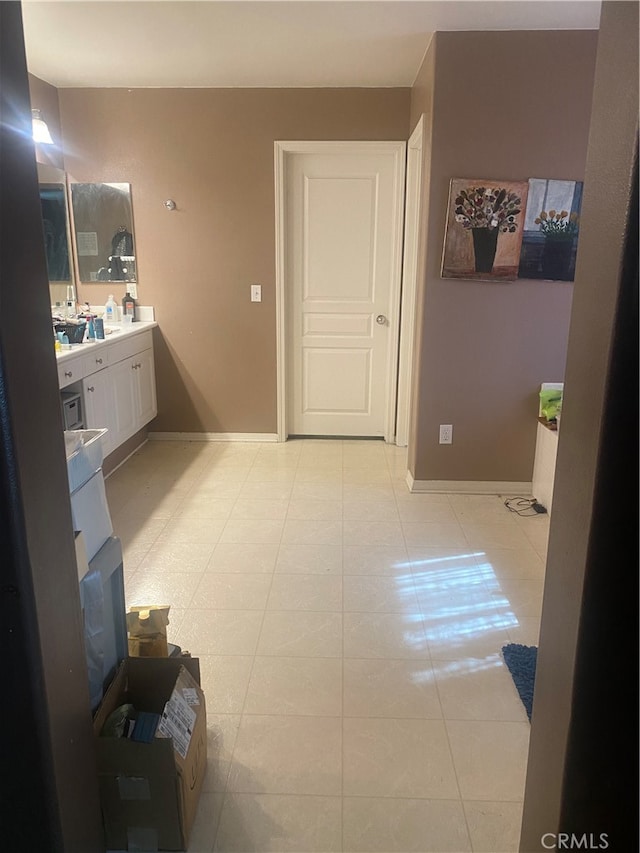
(70, 304)
(91, 330)
(129, 307)
(111, 310)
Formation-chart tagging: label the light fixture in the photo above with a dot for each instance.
(40, 130)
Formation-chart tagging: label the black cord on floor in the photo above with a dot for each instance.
(527, 507)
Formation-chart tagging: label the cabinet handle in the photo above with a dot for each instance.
(91, 388)
(98, 361)
(68, 373)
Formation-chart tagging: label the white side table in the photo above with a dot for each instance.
(544, 465)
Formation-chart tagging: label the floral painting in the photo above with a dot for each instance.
(551, 228)
(484, 229)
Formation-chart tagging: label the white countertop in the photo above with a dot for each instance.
(113, 332)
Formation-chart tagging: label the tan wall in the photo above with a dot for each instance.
(510, 105)
(211, 151)
(609, 178)
(44, 97)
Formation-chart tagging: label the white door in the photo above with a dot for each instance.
(342, 263)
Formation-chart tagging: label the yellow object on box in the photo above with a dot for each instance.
(147, 629)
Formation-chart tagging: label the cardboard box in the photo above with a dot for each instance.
(149, 792)
(147, 629)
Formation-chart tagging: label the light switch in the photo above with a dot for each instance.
(256, 293)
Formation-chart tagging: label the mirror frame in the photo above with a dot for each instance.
(51, 175)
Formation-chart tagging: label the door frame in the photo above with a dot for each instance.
(412, 229)
(281, 150)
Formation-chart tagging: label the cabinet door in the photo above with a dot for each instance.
(97, 392)
(123, 377)
(145, 380)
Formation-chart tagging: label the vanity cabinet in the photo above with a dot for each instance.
(117, 384)
(134, 394)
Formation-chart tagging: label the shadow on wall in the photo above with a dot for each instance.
(176, 394)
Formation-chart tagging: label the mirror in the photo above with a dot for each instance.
(55, 220)
(103, 232)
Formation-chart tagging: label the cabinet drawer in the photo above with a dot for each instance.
(119, 350)
(70, 371)
(96, 360)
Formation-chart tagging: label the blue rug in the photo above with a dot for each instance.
(521, 661)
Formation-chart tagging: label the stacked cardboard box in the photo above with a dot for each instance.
(149, 791)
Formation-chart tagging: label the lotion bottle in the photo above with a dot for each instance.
(111, 310)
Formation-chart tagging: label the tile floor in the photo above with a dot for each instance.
(349, 636)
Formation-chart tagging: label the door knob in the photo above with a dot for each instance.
(381, 320)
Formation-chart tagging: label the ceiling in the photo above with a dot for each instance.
(181, 43)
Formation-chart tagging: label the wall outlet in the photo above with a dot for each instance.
(446, 433)
(132, 287)
(256, 293)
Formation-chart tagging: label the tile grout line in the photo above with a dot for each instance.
(226, 793)
(444, 721)
(253, 660)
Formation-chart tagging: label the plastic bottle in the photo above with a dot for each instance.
(70, 304)
(111, 310)
(128, 307)
(91, 329)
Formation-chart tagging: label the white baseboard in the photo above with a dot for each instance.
(213, 436)
(468, 487)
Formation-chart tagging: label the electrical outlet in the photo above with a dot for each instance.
(446, 433)
(132, 287)
(256, 293)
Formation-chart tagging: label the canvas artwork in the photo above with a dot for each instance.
(551, 226)
(484, 229)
